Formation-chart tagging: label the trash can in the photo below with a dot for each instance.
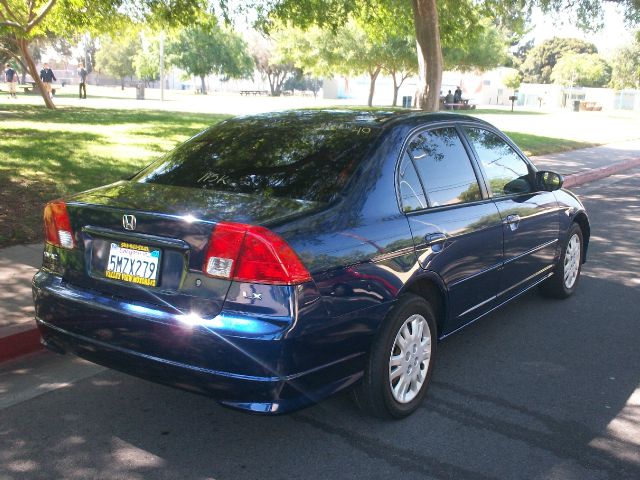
(140, 91)
(576, 105)
(407, 101)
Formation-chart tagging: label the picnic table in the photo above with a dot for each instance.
(461, 105)
(254, 92)
(590, 106)
(31, 87)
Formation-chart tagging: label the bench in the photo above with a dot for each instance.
(254, 92)
(464, 105)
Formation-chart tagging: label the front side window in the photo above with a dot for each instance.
(444, 167)
(507, 173)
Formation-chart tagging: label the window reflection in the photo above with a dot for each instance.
(506, 172)
(411, 193)
(444, 167)
(299, 155)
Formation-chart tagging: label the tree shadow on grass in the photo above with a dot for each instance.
(38, 166)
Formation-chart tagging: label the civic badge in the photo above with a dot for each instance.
(129, 222)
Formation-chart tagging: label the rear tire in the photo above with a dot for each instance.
(566, 274)
(401, 361)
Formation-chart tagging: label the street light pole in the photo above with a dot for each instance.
(162, 66)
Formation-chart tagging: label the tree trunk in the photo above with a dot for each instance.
(122, 83)
(270, 78)
(23, 45)
(396, 87)
(203, 87)
(425, 14)
(372, 86)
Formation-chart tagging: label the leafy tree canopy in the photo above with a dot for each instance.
(207, 48)
(583, 69)
(23, 21)
(146, 61)
(512, 79)
(625, 71)
(541, 59)
(115, 58)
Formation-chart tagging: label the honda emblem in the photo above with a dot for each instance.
(129, 222)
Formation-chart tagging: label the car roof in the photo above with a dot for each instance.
(363, 117)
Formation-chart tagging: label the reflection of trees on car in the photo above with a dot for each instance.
(292, 156)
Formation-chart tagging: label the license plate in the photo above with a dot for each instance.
(133, 263)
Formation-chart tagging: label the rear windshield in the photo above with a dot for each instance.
(297, 156)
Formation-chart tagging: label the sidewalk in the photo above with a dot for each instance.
(18, 334)
(17, 328)
(586, 159)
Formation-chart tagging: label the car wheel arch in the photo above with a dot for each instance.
(432, 289)
(583, 222)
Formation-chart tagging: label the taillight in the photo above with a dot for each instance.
(57, 227)
(248, 253)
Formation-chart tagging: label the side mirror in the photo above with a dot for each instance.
(549, 181)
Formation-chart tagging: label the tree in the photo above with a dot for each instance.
(208, 48)
(23, 21)
(625, 66)
(487, 50)
(541, 59)
(271, 63)
(399, 61)
(432, 30)
(302, 82)
(146, 61)
(584, 69)
(115, 58)
(512, 79)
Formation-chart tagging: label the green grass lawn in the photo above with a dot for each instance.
(536, 145)
(48, 154)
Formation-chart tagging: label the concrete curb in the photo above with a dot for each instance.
(21, 343)
(18, 342)
(581, 178)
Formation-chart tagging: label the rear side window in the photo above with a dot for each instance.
(411, 193)
(506, 171)
(444, 167)
(296, 156)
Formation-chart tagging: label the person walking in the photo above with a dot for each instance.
(82, 74)
(47, 76)
(11, 77)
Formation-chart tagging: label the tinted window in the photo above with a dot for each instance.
(298, 155)
(506, 172)
(444, 167)
(411, 193)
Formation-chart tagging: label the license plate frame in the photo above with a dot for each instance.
(131, 264)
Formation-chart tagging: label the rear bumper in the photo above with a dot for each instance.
(249, 363)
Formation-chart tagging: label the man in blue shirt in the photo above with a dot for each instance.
(11, 77)
(47, 76)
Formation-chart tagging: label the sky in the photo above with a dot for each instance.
(614, 34)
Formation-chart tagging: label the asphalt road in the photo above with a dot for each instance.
(542, 389)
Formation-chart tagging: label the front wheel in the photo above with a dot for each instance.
(565, 278)
(401, 361)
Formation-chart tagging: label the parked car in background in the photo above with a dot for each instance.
(273, 260)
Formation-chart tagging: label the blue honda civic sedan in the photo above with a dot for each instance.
(273, 260)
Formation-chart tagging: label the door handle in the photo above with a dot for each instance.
(435, 241)
(513, 221)
(432, 238)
